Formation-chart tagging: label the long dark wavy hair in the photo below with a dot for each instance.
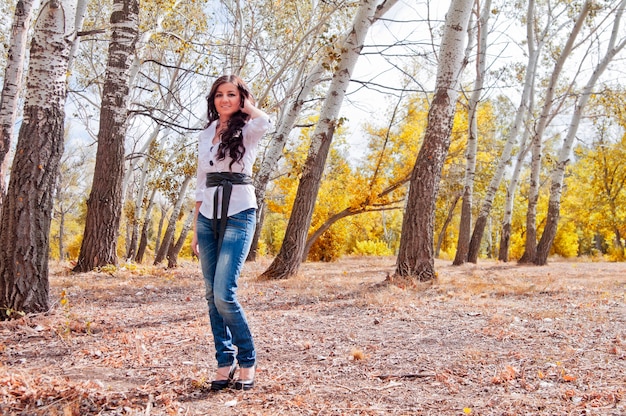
(231, 140)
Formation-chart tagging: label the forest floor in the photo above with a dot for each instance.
(485, 339)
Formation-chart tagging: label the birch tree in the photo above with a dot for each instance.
(99, 246)
(287, 262)
(415, 257)
(615, 45)
(302, 82)
(472, 137)
(530, 248)
(535, 44)
(12, 85)
(25, 225)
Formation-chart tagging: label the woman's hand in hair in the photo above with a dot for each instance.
(250, 109)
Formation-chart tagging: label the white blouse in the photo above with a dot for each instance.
(243, 196)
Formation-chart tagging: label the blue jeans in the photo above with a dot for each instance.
(228, 321)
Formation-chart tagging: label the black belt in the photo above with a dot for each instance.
(225, 180)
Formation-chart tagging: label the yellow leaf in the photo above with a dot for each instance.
(467, 410)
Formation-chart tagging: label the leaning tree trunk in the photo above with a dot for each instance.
(168, 237)
(174, 250)
(522, 110)
(465, 226)
(13, 84)
(104, 206)
(530, 247)
(26, 216)
(301, 90)
(275, 150)
(415, 257)
(287, 261)
(446, 223)
(558, 174)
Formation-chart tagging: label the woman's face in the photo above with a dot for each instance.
(227, 100)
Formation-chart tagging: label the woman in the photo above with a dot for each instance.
(225, 219)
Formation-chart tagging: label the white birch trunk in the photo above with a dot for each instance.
(13, 75)
(81, 11)
(416, 254)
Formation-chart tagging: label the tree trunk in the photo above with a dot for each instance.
(530, 247)
(558, 174)
(168, 237)
(523, 109)
(415, 257)
(157, 245)
(104, 206)
(135, 221)
(505, 237)
(290, 255)
(445, 225)
(145, 228)
(26, 216)
(174, 250)
(13, 84)
(465, 226)
(276, 146)
(283, 128)
(260, 218)
(505, 242)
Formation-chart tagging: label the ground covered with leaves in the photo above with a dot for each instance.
(486, 339)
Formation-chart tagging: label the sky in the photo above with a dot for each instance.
(371, 104)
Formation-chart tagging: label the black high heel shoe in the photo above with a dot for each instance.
(247, 384)
(217, 385)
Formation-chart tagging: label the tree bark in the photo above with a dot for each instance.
(275, 149)
(104, 206)
(415, 257)
(135, 221)
(26, 216)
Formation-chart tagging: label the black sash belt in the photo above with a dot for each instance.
(224, 180)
